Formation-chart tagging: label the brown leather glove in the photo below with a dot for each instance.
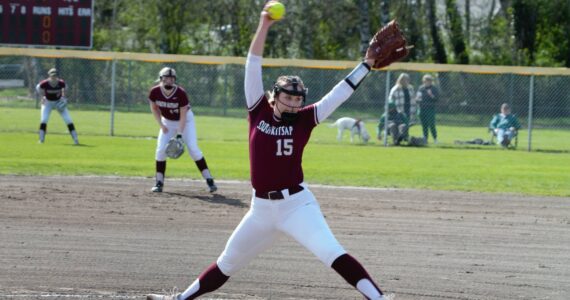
(387, 46)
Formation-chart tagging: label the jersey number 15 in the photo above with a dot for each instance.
(284, 147)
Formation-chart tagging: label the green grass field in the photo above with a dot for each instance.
(224, 141)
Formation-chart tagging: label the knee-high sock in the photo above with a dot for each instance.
(73, 132)
(210, 280)
(203, 167)
(160, 170)
(43, 130)
(355, 274)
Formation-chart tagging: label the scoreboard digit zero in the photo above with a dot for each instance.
(59, 23)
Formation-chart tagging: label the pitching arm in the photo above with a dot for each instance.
(253, 82)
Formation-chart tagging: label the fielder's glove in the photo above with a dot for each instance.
(175, 147)
(387, 46)
(61, 104)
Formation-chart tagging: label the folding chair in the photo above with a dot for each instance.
(512, 145)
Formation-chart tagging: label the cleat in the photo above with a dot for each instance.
(157, 188)
(211, 185)
(162, 297)
(389, 297)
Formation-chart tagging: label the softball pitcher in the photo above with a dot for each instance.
(52, 91)
(171, 109)
(279, 129)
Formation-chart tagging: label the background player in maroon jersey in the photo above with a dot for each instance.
(279, 128)
(52, 91)
(171, 110)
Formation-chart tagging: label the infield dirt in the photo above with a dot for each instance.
(111, 238)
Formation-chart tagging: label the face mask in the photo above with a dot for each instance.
(168, 87)
(289, 117)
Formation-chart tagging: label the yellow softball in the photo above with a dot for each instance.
(275, 9)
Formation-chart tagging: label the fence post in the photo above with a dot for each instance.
(387, 94)
(530, 110)
(130, 95)
(225, 100)
(113, 84)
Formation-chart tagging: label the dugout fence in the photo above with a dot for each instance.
(470, 95)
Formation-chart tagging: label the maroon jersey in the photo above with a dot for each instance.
(276, 149)
(169, 105)
(53, 93)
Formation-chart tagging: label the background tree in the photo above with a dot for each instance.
(456, 32)
(467, 21)
(439, 55)
(384, 11)
(364, 27)
(525, 19)
(313, 29)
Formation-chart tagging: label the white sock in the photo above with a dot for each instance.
(160, 177)
(368, 289)
(206, 173)
(42, 135)
(192, 289)
(74, 136)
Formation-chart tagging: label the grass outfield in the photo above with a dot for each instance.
(224, 142)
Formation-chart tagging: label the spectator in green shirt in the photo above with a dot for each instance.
(427, 97)
(505, 125)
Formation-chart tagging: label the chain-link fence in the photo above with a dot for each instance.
(468, 99)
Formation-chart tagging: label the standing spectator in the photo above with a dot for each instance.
(402, 94)
(52, 91)
(505, 126)
(397, 124)
(427, 97)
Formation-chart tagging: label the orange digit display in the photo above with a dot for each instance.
(53, 23)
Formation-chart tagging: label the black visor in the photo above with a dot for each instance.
(294, 92)
(279, 89)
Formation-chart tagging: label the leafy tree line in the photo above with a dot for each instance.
(497, 32)
(504, 32)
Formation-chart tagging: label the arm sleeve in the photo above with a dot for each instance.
(253, 84)
(391, 95)
(517, 123)
(436, 94)
(327, 105)
(419, 94)
(184, 99)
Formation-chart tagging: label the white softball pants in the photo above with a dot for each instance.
(298, 216)
(189, 137)
(48, 106)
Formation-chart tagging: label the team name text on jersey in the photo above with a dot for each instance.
(273, 130)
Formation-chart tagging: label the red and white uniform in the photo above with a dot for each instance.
(276, 153)
(53, 94)
(275, 148)
(170, 106)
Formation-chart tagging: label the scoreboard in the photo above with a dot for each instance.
(58, 23)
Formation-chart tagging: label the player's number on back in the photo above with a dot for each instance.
(284, 147)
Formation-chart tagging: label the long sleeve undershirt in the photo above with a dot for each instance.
(324, 107)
